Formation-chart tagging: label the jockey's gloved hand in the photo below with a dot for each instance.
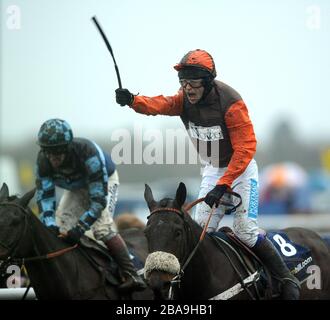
(124, 97)
(74, 235)
(214, 196)
(54, 229)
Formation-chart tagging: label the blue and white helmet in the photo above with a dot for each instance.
(54, 133)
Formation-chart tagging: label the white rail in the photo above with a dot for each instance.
(16, 294)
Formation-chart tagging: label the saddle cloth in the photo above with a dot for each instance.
(296, 257)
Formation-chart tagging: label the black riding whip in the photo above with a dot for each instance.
(109, 48)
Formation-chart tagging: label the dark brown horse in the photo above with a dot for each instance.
(69, 274)
(176, 263)
(131, 229)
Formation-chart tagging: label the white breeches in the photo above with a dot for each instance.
(74, 203)
(245, 224)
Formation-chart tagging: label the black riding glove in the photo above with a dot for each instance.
(74, 235)
(124, 97)
(214, 196)
(54, 229)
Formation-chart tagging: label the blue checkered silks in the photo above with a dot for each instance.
(54, 133)
(87, 167)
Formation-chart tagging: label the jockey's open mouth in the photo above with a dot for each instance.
(194, 94)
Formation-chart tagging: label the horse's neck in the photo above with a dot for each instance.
(42, 240)
(60, 276)
(207, 253)
(209, 267)
(47, 274)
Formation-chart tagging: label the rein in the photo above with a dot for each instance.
(10, 257)
(12, 251)
(177, 279)
(45, 256)
(221, 202)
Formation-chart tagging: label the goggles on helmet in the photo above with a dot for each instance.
(194, 83)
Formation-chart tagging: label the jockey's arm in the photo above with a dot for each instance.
(170, 105)
(45, 197)
(243, 141)
(97, 178)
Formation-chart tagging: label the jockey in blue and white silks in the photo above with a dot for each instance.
(90, 182)
(86, 166)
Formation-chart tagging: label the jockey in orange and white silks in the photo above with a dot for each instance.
(218, 123)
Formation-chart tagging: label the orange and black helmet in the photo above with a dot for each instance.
(199, 61)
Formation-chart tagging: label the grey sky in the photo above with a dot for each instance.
(275, 53)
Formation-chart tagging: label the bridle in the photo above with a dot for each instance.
(176, 280)
(16, 245)
(184, 210)
(10, 256)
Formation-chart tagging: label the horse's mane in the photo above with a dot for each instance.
(188, 217)
(128, 220)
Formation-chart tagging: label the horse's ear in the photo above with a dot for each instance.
(149, 198)
(4, 192)
(24, 201)
(181, 194)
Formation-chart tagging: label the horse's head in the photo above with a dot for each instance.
(168, 234)
(13, 221)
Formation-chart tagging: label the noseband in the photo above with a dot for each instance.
(177, 278)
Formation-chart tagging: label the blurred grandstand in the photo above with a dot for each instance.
(294, 179)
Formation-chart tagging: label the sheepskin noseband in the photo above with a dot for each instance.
(161, 261)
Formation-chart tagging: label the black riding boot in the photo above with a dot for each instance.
(268, 254)
(118, 250)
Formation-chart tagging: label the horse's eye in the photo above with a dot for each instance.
(178, 233)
